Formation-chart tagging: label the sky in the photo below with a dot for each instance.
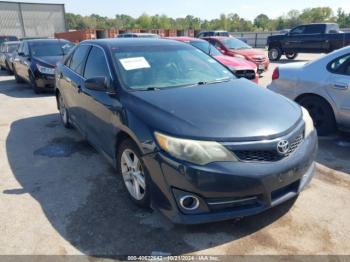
(199, 8)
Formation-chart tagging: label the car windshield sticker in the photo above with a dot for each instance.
(134, 63)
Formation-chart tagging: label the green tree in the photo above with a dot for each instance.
(262, 21)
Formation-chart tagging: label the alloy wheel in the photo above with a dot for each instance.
(133, 174)
(63, 111)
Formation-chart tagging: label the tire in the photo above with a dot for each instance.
(18, 79)
(321, 113)
(64, 114)
(36, 89)
(134, 173)
(8, 69)
(291, 56)
(275, 53)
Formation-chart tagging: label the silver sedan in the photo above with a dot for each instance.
(321, 86)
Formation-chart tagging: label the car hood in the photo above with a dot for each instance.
(235, 62)
(49, 60)
(249, 52)
(231, 111)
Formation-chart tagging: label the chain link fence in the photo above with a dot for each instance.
(31, 20)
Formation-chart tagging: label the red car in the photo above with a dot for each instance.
(240, 67)
(231, 46)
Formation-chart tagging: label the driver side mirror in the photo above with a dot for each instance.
(21, 54)
(96, 83)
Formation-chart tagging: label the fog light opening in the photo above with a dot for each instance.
(189, 203)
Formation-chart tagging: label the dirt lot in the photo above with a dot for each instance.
(58, 196)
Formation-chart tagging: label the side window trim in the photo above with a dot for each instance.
(84, 62)
(105, 56)
(340, 70)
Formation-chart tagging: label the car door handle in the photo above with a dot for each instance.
(341, 86)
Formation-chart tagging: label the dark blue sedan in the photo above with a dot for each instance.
(187, 136)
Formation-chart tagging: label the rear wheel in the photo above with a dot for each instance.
(64, 115)
(291, 56)
(275, 53)
(134, 173)
(321, 113)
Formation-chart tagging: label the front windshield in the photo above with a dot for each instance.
(165, 66)
(55, 48)
(234, 43)
(12, 48)
(206, 47)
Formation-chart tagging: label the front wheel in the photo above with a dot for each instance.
(275, 53)
(36, 89)
(18, 79)
(291, 56)
(134, 173)
(321, 113)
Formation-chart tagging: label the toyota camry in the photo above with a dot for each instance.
(187, 137)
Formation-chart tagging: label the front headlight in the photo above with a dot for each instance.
(46, 70)
(309, 123)
(197, 152)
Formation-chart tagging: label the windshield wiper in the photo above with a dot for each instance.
(214, 81)
(151, 88)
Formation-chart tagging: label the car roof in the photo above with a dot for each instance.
(44, 40)
(123, 42)
(185, 39)
(215, 31)
(11, 42)
(220, 38)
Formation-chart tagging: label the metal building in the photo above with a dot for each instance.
(31, 19)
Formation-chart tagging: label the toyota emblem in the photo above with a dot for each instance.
(283, 147)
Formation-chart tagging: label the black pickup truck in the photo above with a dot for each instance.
(311, 38)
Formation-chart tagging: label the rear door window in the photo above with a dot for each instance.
(315, 29)
(77, 61)
(340, 65)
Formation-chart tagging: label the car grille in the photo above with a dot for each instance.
(249, 74)
(267, 155)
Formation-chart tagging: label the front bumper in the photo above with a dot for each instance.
(45, 81)
(228, 190)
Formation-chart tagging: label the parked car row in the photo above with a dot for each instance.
(36, 67)
(34, 61)
(224, 43)
(7, 53)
